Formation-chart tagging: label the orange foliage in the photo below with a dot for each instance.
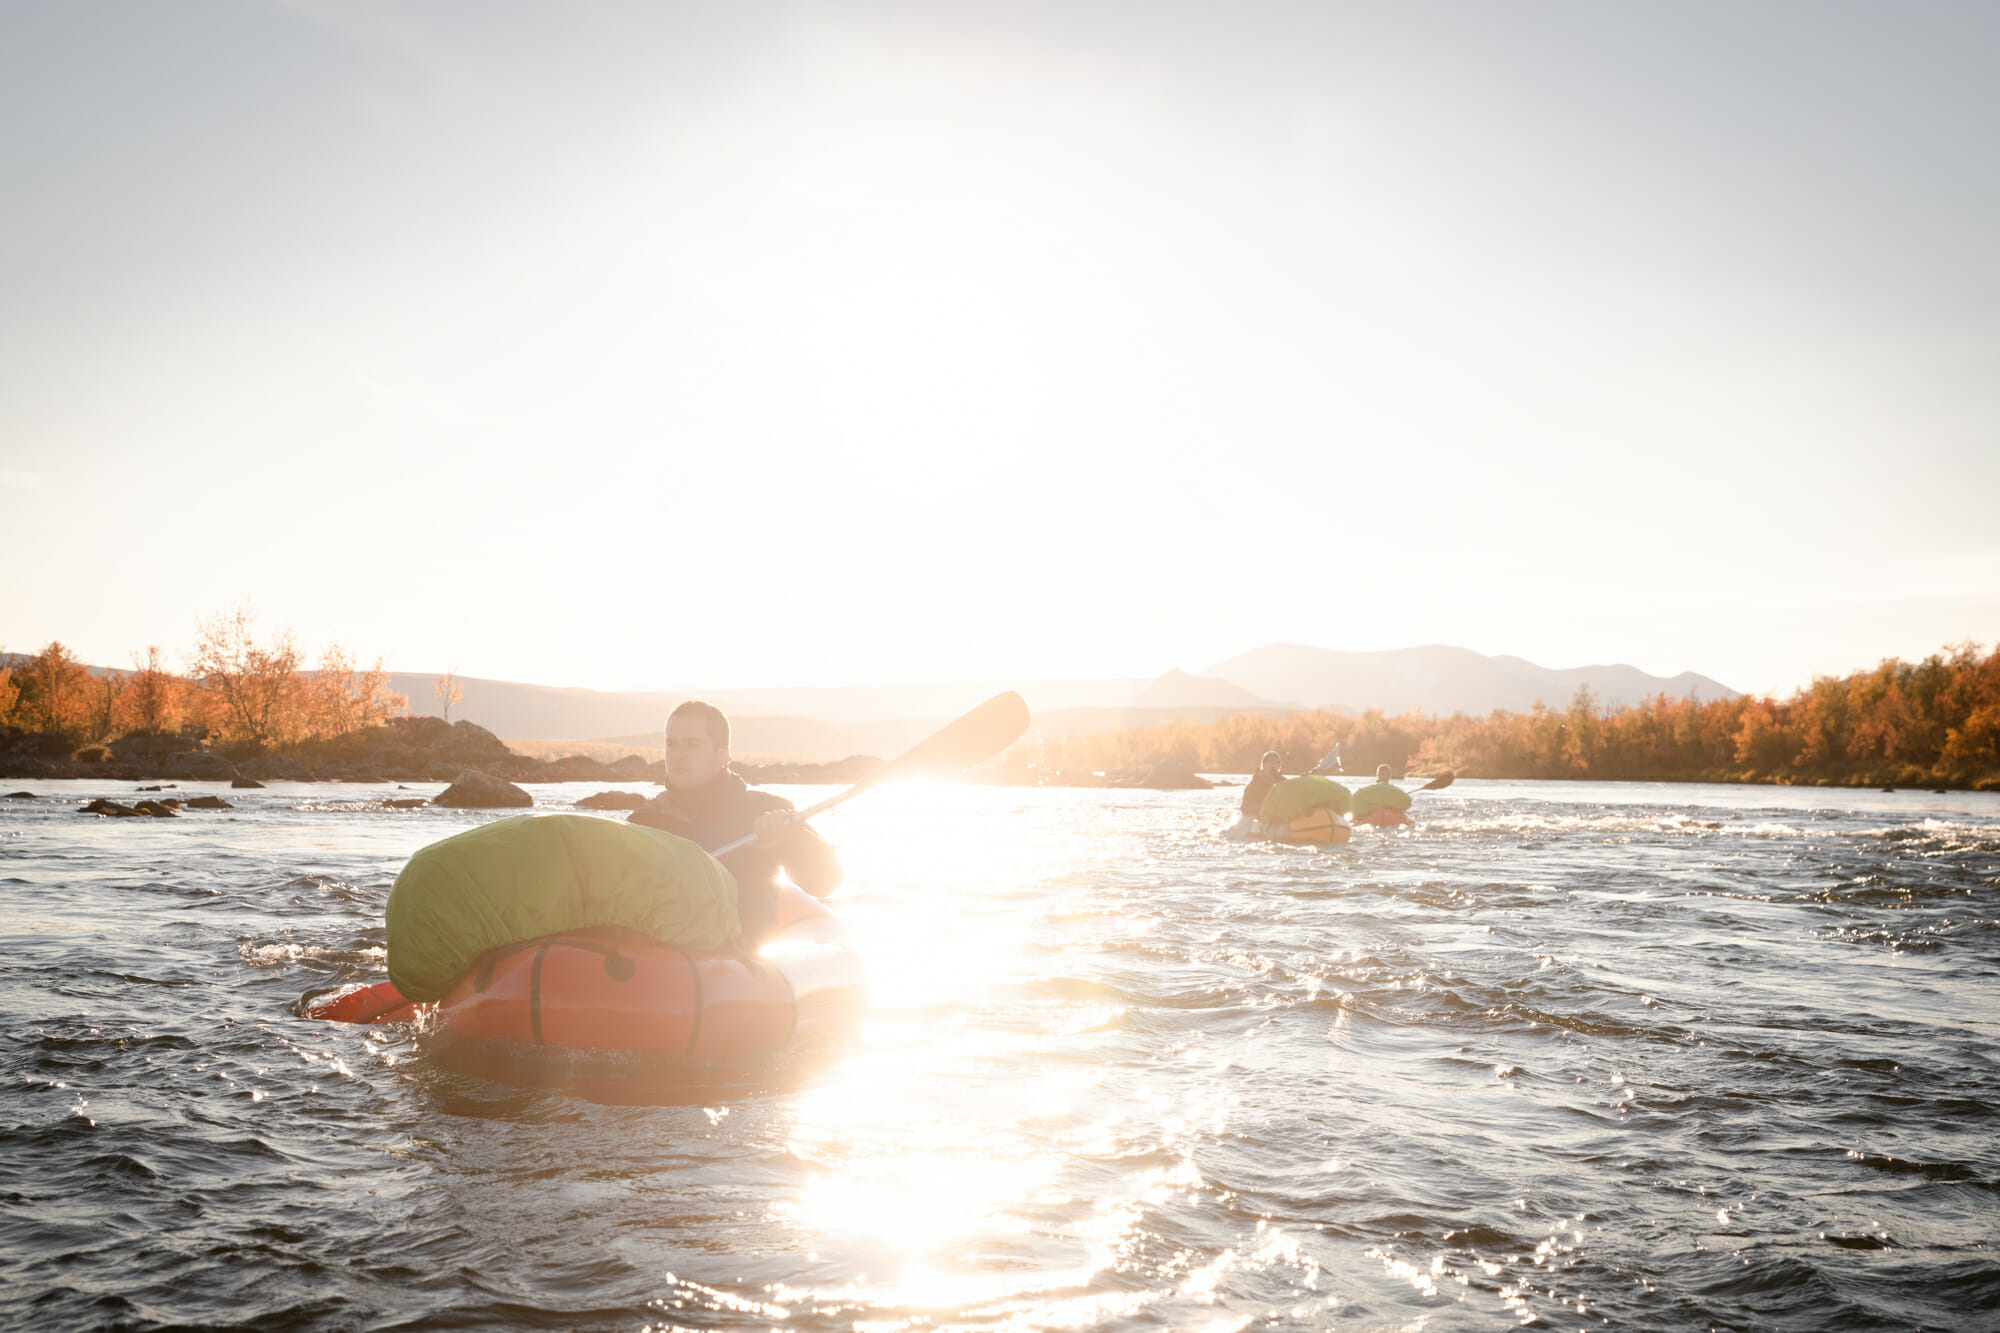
(155, 698)
(250, 693)
(53, 693)
(261, 697)
(1934, 722)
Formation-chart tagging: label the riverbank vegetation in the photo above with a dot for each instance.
(1929, 723)
(244, 692)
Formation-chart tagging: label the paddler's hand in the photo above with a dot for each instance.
(774, 826)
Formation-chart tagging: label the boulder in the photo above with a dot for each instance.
(632, 768)
(520, 768)
(200, 766)
(20, 796)
(104, 807)
(158, 809)
(612, 800)
(468, 744)
(209, 803)
(275, 768)
(471, 740)
(404, 802)
(474, 790)
(577, 768)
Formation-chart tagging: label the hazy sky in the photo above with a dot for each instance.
(741, 344)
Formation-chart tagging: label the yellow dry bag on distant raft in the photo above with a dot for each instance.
(1295, 797)
(533, 875)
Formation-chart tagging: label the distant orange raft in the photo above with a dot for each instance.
(618, 1016)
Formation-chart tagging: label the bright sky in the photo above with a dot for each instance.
(748, 344)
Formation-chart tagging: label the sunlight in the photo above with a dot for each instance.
(921, 1202)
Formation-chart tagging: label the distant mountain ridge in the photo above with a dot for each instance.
(818, 723)
(1438, 678)
(806, 722)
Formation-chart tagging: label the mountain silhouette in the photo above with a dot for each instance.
(1438, 678)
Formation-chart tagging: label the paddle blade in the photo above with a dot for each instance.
(980, 734)
(1440, 782)
(379, 1003)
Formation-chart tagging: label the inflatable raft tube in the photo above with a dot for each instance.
(617, 1017)
(1385, 818)
(606, 1008)
(1319, 827)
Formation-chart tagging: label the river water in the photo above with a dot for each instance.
(1570, 1055)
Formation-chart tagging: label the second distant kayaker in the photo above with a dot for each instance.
(709, 805)
(1382, 794)
(1269, 770)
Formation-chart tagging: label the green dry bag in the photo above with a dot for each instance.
(1380, 796)
(1295, 796)
(533, 875)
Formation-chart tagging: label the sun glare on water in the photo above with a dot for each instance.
(926, 1164)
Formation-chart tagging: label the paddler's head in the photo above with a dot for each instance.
(697, 745)
(1383, 774)
(1271, 762)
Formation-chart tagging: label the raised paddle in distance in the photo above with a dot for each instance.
(1331, 764)
(980, 734)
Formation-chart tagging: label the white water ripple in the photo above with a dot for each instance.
(1571, 1054)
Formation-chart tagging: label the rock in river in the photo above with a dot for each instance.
(475, 790)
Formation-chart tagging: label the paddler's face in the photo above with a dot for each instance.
(693, 757)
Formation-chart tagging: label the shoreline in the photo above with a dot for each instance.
(841, 773)
(427, 749)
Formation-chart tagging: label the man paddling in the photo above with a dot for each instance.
(709, 805)
(1269, 770)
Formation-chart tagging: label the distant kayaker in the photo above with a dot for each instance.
(1269, 770)
(1382, 794)
(709, 805)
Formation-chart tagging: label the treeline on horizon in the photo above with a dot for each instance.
(245, 693)
(1930, 723)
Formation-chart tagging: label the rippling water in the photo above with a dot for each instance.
(1568, 1054)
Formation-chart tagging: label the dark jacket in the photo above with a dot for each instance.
(724, 811)
(1260, 785)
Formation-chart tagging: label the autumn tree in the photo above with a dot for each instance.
(53, 687)
(344, 698)
(1581, 730)
(256, 685)
(155, 698)
(104, 698)
(449, 691)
